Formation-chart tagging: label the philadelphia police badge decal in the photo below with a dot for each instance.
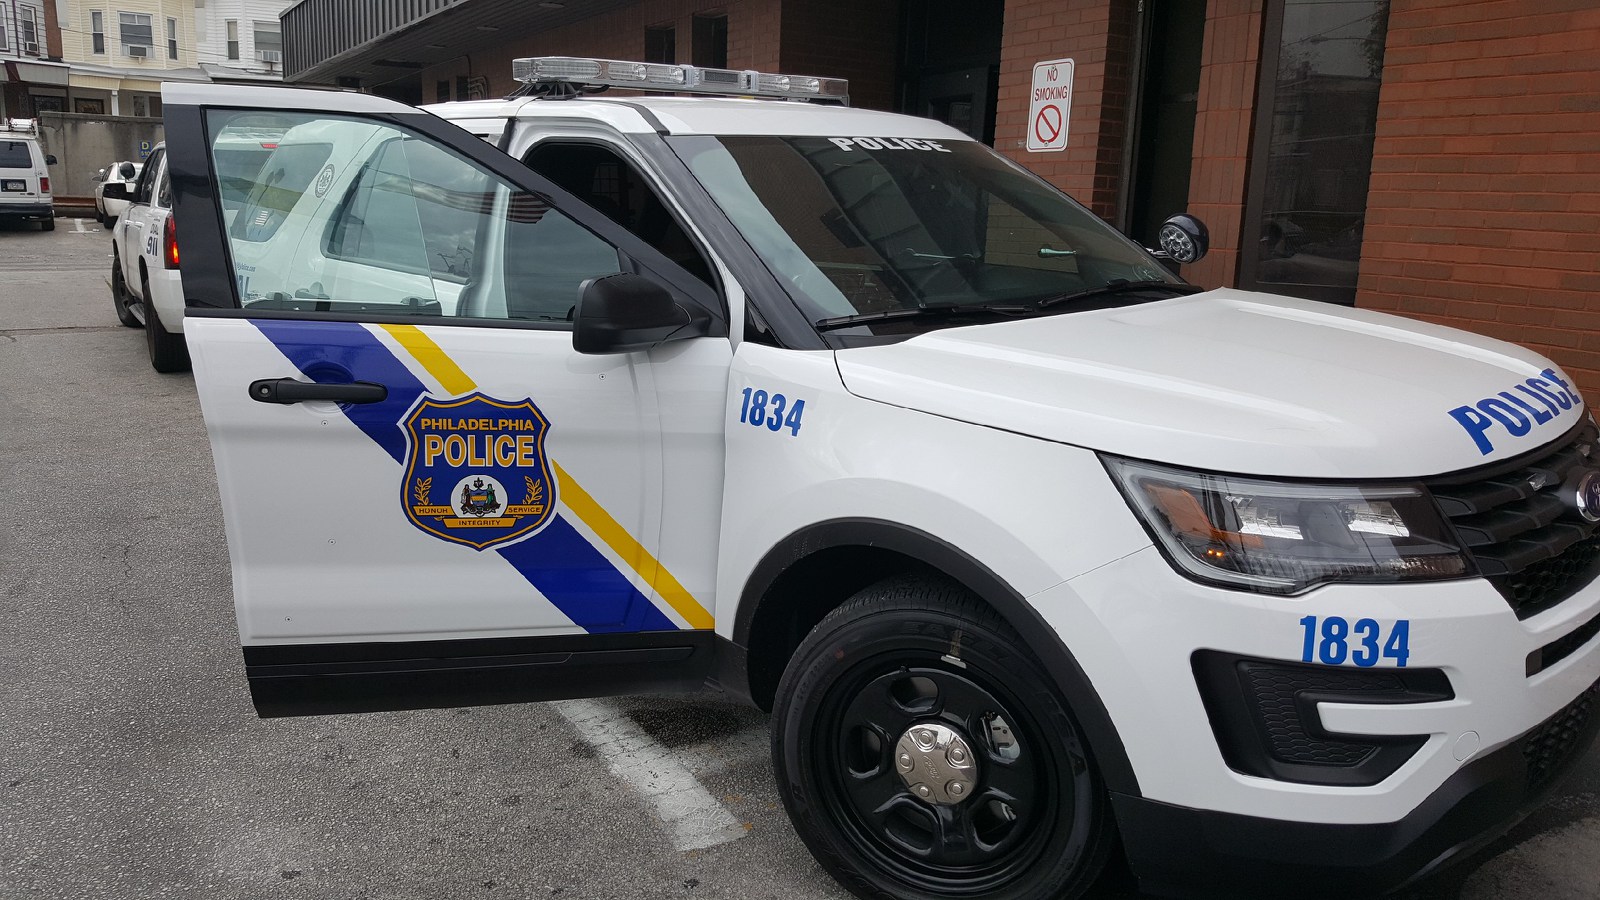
(476, 470)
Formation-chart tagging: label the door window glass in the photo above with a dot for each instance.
(349, 215)
(147, 177)
(1308, 206)
(604, 180)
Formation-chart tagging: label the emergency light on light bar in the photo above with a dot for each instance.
(678, 79)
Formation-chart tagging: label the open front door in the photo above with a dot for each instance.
(430, 498)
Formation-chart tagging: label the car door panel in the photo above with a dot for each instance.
(505, 487)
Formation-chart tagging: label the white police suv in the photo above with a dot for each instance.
(1028, 545)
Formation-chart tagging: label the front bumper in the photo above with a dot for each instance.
(28, 211)
(1186, 852)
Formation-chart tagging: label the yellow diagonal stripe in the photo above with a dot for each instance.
(438, 364)
(588, 510)
(623, 544)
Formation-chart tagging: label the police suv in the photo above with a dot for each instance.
(146, 288)
(1032, 549)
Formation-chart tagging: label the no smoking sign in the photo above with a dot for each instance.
(1049, 103)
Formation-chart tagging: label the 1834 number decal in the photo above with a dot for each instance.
(1332, 640)
(775, 412)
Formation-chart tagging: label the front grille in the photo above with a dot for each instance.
(1548, 748)
(1264, 716)
(1519, 527)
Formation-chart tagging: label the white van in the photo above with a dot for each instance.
(24, 180)
(1036, 552)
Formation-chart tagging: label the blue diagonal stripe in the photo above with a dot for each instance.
(558, 561)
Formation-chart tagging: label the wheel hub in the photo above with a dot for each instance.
(936, 763)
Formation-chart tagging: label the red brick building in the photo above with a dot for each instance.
(1435, 158)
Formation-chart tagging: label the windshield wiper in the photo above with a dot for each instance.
(910, 312)
(1119, 286)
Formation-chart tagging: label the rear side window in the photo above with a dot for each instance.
(15, 155)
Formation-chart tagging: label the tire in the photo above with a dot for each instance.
(119, 292)
(1032, 819)
(47, 224)
(168, 352)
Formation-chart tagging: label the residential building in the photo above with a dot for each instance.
(29, 81)
(240, 39)
(1435, 158)
(122, 50)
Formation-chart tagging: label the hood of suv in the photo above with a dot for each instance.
(1236, 382)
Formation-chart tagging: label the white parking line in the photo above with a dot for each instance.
(693, 818)
(78, 226)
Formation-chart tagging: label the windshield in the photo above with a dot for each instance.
(863, 226)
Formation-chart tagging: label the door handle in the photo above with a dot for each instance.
(288, 390)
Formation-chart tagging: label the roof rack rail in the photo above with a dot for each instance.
(22, 126)
(564, 77)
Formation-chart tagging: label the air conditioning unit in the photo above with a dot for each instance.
(137, 51)
(270, 56)
(31, 48)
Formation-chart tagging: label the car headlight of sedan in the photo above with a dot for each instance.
(1285, 537)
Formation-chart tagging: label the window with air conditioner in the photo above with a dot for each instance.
(29, 30)
(269, 42)
(136, 34)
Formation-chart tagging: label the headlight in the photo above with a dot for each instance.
(1285, 537)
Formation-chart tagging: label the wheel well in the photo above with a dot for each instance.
(811, 572)
(802, 596)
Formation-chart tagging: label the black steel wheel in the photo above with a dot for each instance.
(168, 351)
(923, 753)
(119, 293)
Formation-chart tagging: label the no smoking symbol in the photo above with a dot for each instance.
(1047, 124)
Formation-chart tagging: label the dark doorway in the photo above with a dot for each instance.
(1169, 36)
(950, 62)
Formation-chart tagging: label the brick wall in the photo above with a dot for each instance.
(1230, 61)
(854, 39)
(1095, 35)
(753, 32)
(1484, 206)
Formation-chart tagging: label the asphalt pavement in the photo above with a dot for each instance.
(132, 764)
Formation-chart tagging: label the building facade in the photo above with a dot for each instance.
(240, 39)
(29, 81)
(121, 51)
(1435, 158)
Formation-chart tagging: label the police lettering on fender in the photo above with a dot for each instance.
(476, 470)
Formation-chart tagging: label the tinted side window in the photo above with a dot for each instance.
(603, 179)
(147, 177)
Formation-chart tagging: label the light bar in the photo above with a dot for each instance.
(677, 79)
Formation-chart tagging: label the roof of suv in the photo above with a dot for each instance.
(708, 115)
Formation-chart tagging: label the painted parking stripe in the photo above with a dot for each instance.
(693, 819)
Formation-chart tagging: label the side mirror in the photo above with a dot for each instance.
(117, 190)
(127, 171)
(100, 175)
(1184, 238)
(624, 312)
(49, 159)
